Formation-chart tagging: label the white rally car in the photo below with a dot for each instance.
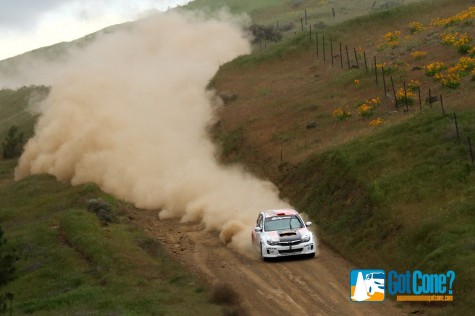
(281, 233)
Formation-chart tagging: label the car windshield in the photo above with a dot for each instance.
(282, 223)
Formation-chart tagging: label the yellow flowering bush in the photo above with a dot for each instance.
(418, 54)
(390, 39)
(465, 16)
(376, 122)
(460, 41)
(413, 85)
(341, 114)
(465, 65)
(416, 27)
(452, 77)
(405, 97)
(374, 102)
(434, 68)
(365, 110)
(357, 83)
(450, 80)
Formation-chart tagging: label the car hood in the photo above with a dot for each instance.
(287, 235)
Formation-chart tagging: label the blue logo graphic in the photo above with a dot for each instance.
(367, 285)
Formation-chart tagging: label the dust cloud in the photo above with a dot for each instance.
(131, 114)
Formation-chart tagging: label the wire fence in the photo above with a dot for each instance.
(389, 93)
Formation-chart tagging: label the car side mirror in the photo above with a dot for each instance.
(257, 229)
(308, 224)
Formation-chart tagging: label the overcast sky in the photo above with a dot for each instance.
(29, 24)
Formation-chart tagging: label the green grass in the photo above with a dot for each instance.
(236, 6)
(14, 109)
(69, 263)
(403, 198)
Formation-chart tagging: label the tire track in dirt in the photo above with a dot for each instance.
(317, 286)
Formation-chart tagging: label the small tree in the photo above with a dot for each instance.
(13, 144)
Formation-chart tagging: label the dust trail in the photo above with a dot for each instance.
(131, 114)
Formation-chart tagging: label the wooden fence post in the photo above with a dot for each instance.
(394, 92)
(347, 57)
(331, 49)
(323, 48)
(420, 100)
(456, 127)
(430, 98)
(341, 58)
(470, 151)
(365, 62)
(442, 105)
(356, 58)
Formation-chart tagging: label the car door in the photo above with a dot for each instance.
(256, 235)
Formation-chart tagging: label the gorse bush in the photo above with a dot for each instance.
(415, 27)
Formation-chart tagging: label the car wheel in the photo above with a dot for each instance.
(262, 254)
(311, 255)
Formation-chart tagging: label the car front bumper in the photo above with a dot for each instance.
(304, 248)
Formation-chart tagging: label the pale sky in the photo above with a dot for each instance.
(29, 24)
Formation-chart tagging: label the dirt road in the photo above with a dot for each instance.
(317, 286)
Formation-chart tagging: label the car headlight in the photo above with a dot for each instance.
(272, 242)
(306, 238)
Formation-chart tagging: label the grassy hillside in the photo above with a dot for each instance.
(71, 262)
(16, 109)
(388, 184)
(285, 11)
(403, 198)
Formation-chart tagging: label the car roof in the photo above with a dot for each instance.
(280, 212)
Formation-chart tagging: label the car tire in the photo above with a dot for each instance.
(262, 254)
(311, 255)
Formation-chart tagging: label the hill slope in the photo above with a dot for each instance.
(391, 185)
(396, 194)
